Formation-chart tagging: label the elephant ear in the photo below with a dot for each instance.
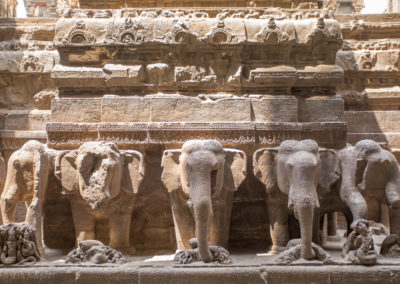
(133, 171)
(264, 167)
(329, 171)
(171, 175)
(66, 171)
(235, 168)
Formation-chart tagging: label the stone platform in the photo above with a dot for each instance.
(251, 272)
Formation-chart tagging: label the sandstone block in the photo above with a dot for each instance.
(320, 109)
(76, 110)
(125, 110)
(194, 109)
(276, 109)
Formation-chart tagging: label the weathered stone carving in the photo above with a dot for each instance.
(293, 253)
(31, 63)
(101, 181)
(294, 174)
(79, 34)
(219, 254)
(220, 34)
(19, 244)
(271, 34)
(359, 247)
(370, 177)
(201, 179)
(94, 252)
(390, 246)
(367, 60)
(129, 33)
(181, 34)
(28, 173)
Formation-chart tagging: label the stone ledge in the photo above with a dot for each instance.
(202, 274)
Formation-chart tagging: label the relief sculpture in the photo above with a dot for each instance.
(201, 179)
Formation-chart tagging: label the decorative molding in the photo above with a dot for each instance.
(72, 135)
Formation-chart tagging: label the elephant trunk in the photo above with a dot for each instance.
(304, 206)
(200, 195)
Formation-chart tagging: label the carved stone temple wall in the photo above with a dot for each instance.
(151, 79)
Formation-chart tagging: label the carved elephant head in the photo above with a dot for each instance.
(303, 172)
(99, 171)
(202, 171)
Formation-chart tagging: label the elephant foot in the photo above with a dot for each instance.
(293, 253)
(219, 254)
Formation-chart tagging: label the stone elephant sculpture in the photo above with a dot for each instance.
(295, 175)
(201, 179)
(101, 182)
(27, 178)
(370, 178)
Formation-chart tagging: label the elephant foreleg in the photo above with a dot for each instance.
(183, 220)
(119, 230)
(278, 219)
(220, 221)
(84, 223)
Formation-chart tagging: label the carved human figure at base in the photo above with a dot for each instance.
(359, 247)
(201, 179)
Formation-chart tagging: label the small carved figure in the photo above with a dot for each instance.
(359, 247)
(92, 251)
(27, 250)
(9, 253)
